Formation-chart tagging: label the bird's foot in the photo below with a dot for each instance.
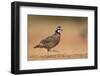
(55, 50)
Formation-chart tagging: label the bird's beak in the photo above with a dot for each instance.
(61, 29)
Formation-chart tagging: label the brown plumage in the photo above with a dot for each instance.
(50, 41)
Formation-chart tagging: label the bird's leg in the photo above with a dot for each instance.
(48, 50)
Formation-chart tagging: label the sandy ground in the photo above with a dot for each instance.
(71, 46)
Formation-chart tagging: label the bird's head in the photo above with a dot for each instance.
(59, 29)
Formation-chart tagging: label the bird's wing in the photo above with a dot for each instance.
(47, 40)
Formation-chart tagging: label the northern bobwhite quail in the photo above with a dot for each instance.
(50, 41)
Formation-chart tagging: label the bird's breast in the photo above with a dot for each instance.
(56, 39)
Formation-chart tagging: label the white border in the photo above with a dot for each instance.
(26, 65)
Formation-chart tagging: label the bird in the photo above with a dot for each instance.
(51, 41)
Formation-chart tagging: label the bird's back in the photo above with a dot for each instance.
(51, 41)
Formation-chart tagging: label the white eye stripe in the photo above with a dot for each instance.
(58, 29)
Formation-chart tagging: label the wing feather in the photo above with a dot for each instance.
(47, 40)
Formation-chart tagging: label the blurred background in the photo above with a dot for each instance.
(73, 43)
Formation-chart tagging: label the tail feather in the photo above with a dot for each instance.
(37, 46)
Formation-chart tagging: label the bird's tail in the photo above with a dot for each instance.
(37, 46)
